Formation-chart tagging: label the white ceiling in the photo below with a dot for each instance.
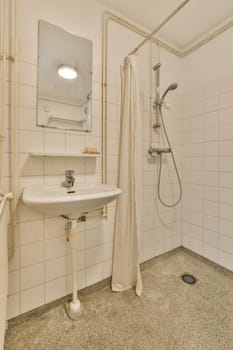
(192, 23)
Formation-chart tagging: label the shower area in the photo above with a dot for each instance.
(185, 109)
(159, 84)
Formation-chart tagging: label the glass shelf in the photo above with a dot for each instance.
(65, 155)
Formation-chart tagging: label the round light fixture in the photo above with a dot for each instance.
(67, 72)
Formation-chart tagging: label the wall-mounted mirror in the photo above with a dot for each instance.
(64, 79)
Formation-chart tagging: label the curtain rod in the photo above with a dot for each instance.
(159, 27)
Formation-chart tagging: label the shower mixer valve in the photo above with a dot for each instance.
(157, 151)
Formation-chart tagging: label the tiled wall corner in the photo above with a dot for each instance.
(207, 172)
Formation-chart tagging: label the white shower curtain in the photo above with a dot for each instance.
(126, 271)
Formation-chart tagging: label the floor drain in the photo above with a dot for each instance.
(188, 278)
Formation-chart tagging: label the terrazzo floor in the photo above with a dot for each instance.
(170, 315)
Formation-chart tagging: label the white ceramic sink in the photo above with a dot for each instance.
(57, 200)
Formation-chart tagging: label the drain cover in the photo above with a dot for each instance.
(188, 278)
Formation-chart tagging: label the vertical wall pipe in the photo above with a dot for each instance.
(3, 53)
(151, 89)
(8, 58)
(14, 126)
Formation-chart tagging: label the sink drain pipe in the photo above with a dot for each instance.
(75, 304)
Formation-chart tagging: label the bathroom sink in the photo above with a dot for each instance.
(71, 202)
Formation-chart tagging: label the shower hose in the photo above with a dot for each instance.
(160, 166)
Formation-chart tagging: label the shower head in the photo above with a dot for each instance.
(173, 86)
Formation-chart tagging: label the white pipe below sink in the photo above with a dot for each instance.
(75, 304)
(4, 215)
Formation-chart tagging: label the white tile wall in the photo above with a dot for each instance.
(208, 173)
(31, 298)
(40, 271)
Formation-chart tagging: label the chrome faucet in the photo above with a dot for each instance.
(69, 181)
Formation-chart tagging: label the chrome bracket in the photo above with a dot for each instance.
(7, 58)
(156, 126)
(2, 138)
